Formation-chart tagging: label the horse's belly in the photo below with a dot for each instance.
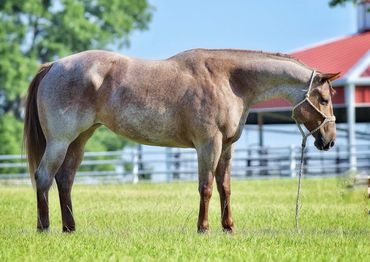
(159, 128)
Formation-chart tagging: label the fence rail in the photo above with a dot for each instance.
(181, 164)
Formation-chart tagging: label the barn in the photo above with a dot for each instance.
(349, 55)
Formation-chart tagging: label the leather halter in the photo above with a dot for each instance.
(327, 119)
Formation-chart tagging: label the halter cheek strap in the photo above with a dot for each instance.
(327, 119)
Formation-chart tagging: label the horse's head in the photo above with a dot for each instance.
(315, 111)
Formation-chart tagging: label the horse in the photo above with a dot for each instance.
(199, 99)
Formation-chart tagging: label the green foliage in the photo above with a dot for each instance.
(334, 3)
(105, 140)
(36, 31)
(11, 130)
(157, 222)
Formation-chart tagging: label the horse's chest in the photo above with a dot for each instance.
(235, 127)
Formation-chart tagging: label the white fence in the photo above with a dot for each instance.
(165, 164)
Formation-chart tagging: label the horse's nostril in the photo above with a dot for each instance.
(332, 143)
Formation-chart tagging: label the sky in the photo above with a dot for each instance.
(268, 25)
(278, 26)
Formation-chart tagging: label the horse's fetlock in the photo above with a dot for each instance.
(228, 225)
(43, 229)
(228, 222)
(43, 226)
(69, 229)
(203, 227)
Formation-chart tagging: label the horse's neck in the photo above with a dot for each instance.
(292, 93)
(274, 78)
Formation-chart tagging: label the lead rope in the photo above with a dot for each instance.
(304, 140)
(303, 146)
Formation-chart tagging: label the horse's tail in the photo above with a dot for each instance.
(33, 137)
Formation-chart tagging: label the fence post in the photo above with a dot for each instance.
(135, 165)
(249, 162)
(176, 165)
(123, 164)
(292, 158)
(168, 164)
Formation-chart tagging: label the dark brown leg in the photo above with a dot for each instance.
(205, 192)
(64, 188)
(223, 173)
(42, 210)
(65, 177)
(50, 163)
(208, 155)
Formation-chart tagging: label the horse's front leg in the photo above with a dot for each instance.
(208, 155)
(223, 173)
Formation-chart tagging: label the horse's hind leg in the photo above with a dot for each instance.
(51, 161)
(65, 177)
(223, 173)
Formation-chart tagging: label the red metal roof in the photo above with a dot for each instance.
(338, 55)
(330, 57)
(366, 73)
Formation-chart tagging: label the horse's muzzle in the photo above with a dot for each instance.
(321, 144)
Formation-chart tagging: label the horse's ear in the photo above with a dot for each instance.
(329, 76)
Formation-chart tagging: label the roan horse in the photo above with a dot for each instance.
(198, 98)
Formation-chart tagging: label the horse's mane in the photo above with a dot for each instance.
(258, 52)
(247, 51)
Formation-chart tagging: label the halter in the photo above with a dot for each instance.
(327, 119)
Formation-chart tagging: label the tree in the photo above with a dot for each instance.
(333, 3)
(36, 31)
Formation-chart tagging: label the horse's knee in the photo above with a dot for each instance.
(205, 191)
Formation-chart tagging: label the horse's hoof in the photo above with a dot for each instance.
(202, 230)
(69, 229)
(228, 230)
(42, 229)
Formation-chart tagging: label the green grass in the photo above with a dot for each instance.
(158, 222)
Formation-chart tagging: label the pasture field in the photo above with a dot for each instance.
(151, 222)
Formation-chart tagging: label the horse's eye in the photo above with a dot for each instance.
(324, 102)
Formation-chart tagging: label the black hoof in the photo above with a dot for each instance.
(43, 229)
(69, 229)
(202, 230)
(228, 230)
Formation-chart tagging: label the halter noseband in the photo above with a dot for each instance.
(327, 119)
